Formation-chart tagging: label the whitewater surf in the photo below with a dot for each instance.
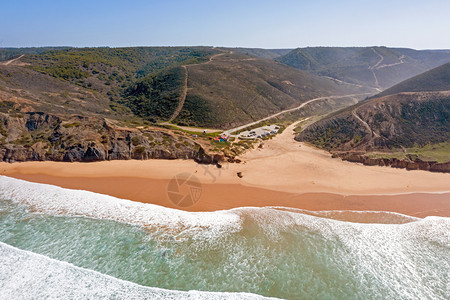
(140, 249)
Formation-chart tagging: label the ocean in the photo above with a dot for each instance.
(61, 243)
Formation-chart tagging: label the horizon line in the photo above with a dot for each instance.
(210, 46)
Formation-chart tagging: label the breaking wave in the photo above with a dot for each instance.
(278, 252)
(26, 275)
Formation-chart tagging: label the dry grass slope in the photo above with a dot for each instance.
(234, 89)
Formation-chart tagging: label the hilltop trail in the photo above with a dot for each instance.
(182, 97)
(401, 61)
(5, 63)
(229, 131)
(371, 68)
(378, 66)
(185, 86)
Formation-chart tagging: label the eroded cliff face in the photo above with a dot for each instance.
(40, 136)
(409, 164)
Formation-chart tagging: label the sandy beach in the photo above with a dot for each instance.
(282, 173)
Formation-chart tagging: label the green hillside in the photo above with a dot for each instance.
(125, 90)
(155, 97)
(405, 120)
(110, 70)
(10, 53)
(395, 121)
(223, 88)
(262, 53)
(234, 89)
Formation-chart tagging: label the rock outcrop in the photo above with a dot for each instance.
(39, 137)
(416, 164)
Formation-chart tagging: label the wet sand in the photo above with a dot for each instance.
(219, 196)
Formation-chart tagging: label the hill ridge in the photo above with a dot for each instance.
(363, 65)
(437, 79)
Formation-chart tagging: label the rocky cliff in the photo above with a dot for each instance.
(39, 136)
(409, 164)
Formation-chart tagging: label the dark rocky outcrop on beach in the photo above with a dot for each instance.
(409, 164)
(38, 136)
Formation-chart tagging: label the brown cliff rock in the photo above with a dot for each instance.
(415, 164)
(39, 136)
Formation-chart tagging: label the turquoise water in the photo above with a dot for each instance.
(27, 275)
(266, 251)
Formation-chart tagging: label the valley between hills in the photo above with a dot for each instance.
(373, 105)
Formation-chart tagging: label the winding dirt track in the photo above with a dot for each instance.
(182, 97)
(371, 68)
(378, 66)
(5, 63)
(185, 87)
(401, 61)
(229, 131)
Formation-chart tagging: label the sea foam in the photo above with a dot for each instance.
(26, 275)
(55, 200)
(402, 260)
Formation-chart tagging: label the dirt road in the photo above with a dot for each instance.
(229, 131)
(378, 66)
(185, 86)
(5, 63)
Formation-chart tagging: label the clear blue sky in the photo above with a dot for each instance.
(265, 24)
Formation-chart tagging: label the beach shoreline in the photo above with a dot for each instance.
(104, 178)
(282, 173)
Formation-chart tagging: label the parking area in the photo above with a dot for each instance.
(259, 132)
